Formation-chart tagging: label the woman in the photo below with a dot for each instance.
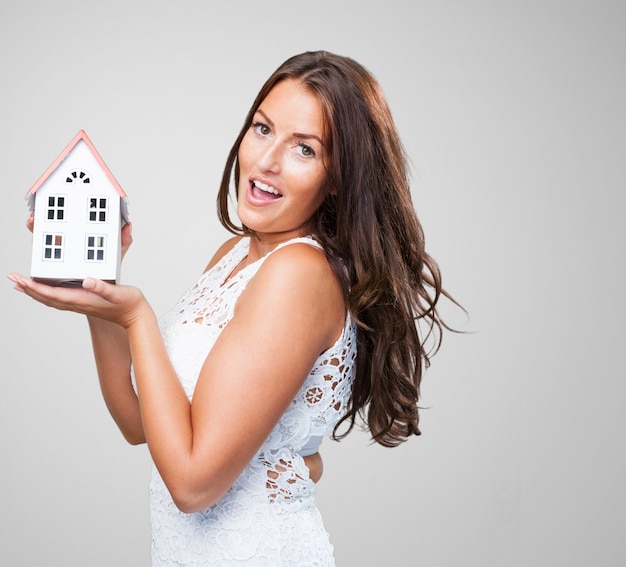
(313, 315)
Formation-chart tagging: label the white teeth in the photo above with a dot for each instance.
(266, 188)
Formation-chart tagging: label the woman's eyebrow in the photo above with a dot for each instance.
(301, 135)
(308, 137)
(266, 117)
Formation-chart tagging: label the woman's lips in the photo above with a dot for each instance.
(263, 192)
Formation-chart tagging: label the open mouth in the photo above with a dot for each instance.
(264, 191)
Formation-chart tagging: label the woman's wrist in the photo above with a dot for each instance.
(140, 316)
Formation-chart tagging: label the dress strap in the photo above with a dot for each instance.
(299, 240)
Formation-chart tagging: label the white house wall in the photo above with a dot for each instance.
(75, 225)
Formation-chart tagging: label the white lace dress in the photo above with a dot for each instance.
(269, 516)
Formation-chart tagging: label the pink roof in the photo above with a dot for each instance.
(80, 136)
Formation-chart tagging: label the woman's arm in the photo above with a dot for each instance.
(290, 312)
(113, 360)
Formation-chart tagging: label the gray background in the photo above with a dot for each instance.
(513, 114)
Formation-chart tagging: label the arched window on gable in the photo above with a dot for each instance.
(77, 176)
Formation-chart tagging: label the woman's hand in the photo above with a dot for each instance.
(119, 304)
(97, 298)
(127, 237)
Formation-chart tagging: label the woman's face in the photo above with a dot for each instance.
(281, 163)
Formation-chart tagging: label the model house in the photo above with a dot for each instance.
(79, 210)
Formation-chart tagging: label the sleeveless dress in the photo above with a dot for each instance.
(268, 517)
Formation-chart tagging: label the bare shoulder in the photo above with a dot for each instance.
(301, 263)
(298, 283)
(224, 249)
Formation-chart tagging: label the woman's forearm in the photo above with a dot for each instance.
(113, 361)
(165, 409)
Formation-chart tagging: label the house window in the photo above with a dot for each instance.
(98, 208)
(56, 208)
(95, 248)
(53, 247)
(77, 176)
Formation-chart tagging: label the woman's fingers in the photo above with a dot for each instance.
(73, 299)
(127, 237)
(127, 234)
(105, 290)
(119, 304)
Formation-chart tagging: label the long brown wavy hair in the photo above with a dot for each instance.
(372, 238)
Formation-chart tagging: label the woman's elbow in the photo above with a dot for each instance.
(188, 507)
(189, 499)
(130, 427)
(133, 437)
(189, 502)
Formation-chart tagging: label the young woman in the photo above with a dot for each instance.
(314, 315)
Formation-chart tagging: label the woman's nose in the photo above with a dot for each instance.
(269, 158)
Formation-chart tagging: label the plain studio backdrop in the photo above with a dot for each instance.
(513, 116)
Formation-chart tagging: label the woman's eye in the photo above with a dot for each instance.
(261, 128)
(306, 150)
